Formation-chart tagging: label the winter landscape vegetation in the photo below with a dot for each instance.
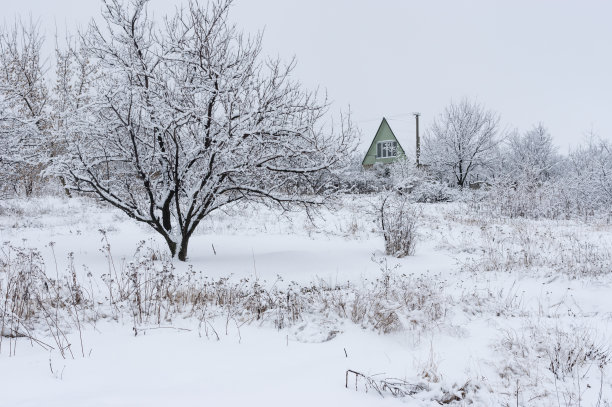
(184, 223)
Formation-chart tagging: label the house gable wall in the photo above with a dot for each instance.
(384, 133)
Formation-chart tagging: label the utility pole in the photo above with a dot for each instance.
(418, 140)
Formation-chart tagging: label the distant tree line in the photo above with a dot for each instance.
(515, 173)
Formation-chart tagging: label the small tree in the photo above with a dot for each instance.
(532, 156)
(588, 171)
(461, 141)
(185, 118)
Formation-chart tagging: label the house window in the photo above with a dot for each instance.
(385, 149)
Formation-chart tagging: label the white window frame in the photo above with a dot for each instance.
(386, 148)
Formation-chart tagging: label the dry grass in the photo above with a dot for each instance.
(148, 291)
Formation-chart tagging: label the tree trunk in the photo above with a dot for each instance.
(171, 247)
(66, 190)
(28, 185)
(166, 212)
(182, 254)
(166, 219)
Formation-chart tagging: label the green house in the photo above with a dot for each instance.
(385, 148)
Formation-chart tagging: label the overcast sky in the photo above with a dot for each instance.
(531, 61)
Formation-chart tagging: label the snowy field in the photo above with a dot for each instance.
(487, 312)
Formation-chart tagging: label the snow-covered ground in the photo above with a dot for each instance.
(489, 312)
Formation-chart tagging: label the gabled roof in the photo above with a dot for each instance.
(384, 133)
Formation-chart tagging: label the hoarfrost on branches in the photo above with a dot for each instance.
(24, 107)
(461, 141)
(186, 117)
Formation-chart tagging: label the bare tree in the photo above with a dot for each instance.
(24, 104)
(532, 155)
(588, 171)
(73, 74)
(185, 117)
(461, 141)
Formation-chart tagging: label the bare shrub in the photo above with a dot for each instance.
(397, 301)
(550, 362)
(32, 302)
(522, 246)
(569, 351)
(399, 221)
(503, 302)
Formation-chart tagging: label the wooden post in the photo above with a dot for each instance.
(418, 141)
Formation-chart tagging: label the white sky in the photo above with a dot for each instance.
(529, 60)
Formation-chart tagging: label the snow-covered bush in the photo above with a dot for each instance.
(396, 302)
(419, 183)
(359, 180)
(432, 190)
(516, 198)
(403, 176)
(399, 221)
